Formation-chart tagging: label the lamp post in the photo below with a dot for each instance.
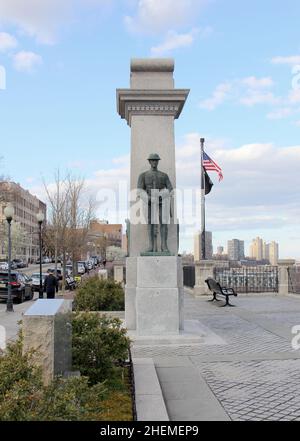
(9, 214)
(40, 218)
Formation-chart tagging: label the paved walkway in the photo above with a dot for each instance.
(247, 370)
(250, 373)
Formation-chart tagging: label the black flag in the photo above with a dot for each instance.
(208, 182)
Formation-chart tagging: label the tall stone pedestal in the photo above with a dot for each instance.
(154, 286)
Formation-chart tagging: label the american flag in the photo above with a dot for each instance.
(210, 165)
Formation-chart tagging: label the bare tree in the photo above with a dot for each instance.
(81, 214)
(59, 214)
(71, 213)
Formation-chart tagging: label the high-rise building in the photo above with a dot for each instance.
(235, 249)
(273, 253)
(26, 206)
(256, 249)
(198, 245)
(260, 250)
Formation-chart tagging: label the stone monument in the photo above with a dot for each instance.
(154, 278)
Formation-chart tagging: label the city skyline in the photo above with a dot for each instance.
(58, 108)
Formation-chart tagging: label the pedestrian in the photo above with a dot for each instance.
(104, 262)
(51, 285)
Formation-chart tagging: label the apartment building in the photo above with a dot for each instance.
(26, 207)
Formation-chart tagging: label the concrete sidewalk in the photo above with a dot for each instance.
(250, 373)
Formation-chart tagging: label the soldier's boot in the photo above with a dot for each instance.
(164, 238)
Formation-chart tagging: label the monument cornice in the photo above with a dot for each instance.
(150, 102)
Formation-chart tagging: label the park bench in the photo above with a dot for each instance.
(217, 289)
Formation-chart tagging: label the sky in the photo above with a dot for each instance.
(61, 62)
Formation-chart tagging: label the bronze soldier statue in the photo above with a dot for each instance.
(157, 187)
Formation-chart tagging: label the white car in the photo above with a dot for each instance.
(81, 267)
(35, 280)
(4, 266)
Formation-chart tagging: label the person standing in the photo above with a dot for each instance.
(51, 285)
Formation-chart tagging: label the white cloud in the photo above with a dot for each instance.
(7, 42)
(280, 113)
(42, 19)
(160, 15)
(253, 97)
(37, 18)
(297, 123)
(220, 94)
(290, 60)
(26, 61)
(248, 91)
(173, 41)
(257, 83)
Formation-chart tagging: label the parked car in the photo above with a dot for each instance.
(21, 286)
(89, 265)
(4, 266)
(70, 283)
(35, 278)
(20, 263)
(81, 268)
(96, 260)
(69, 269)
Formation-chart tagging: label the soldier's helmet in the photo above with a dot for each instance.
(154, 156)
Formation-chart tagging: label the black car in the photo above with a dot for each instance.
(21, 287)
(19, 263)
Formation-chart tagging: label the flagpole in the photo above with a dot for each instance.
(203, 253)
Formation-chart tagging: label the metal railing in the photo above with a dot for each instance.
(249, 279)
(294, 279)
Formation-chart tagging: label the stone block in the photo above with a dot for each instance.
(203, 270)
(118, 273)
(47, 330)
(157, 311)
(159, 272)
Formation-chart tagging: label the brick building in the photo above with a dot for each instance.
(26, 207)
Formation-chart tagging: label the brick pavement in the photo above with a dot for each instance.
(254, 374)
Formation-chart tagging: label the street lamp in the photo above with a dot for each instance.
(40, 218)
(9, 214)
